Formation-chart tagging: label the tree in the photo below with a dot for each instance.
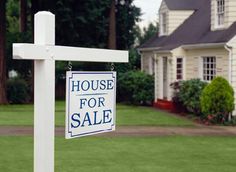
(3, 99)
(23, 15)
(88, 22)
(126, 17)
(148, 32)
(112, 26)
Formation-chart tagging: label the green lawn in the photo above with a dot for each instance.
(126, 115)
(123, 154)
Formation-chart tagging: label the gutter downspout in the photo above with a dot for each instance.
(229, 49)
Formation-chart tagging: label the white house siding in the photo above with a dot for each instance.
(233, 75)
(146, 62)
(232, 44)
(213, 12)
(176, 18)
(193, 62)
(230, 14)
(178, 53)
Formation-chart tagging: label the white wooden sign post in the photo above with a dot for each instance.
(45, 53)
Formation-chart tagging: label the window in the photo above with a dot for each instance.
(179, 69)
(163, 23)
(209, 68)
(220, 12)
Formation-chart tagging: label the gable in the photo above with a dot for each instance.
(169, 20)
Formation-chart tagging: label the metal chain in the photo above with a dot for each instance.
(69, 65)
(112, 66)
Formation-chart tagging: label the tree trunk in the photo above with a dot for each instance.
(112, 26)
(34, 10)
(3, 99)
(23, 15)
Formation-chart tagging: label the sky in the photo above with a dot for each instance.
(149, 9)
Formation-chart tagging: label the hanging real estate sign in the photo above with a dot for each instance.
(90, 103)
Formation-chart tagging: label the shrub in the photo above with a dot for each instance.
(17, 92)
(135, 87)
(217, 99)
(178, 104)
(189, 94)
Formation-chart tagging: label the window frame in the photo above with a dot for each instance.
(163, 23)
(219, 13)
(208, 68)
(181, 69)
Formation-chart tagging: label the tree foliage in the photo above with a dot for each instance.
(86, 22)
(82, 23)
(148, 32)
(14, 36)
(127, 16)
(134, 62)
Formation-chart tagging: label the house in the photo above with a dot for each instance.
(197, 40)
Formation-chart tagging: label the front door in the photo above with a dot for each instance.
(165, 83)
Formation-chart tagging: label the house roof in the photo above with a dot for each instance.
(183, 4)
(195, 30)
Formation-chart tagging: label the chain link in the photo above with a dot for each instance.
(112, 66)
(69, 65)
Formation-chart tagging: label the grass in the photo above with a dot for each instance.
(122, 154)
(126, 115)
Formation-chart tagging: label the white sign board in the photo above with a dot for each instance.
(90, 103)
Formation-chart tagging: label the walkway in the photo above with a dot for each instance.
(135, 131)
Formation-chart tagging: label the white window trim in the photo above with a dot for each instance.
(202, 68)
(217, 25)
(183, 68)
(161, 24)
